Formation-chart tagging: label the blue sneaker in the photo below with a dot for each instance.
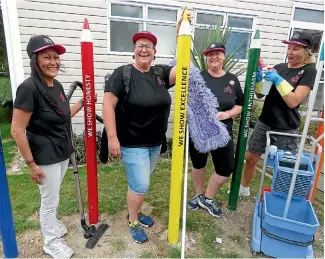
(193, 203)
(144, 220)
(210, 205)
(137, 232)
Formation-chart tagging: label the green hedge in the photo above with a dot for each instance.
(5, 114)
(5, 91)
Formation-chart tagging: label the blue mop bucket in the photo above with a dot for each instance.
(291, 236)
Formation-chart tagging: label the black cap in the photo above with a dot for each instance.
(215, 47)
(40, 42)
(302, 39)
(144, 34)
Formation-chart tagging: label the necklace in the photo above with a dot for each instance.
(141, 69)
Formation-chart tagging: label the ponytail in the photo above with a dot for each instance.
(309, 57)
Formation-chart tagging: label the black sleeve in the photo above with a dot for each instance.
(26, 96)
(115, 83)
(308, 77)
(239, 93)
(166, 71)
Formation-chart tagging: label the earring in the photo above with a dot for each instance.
(154, 57)
(133, 56)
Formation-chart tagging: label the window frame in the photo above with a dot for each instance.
(226, 15)
(144, 21)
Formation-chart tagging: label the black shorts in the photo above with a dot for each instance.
(223, 158)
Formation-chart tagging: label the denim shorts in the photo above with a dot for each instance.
(139, 164)
(257, 141)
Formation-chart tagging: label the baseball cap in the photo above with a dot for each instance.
(144, 34)
(40, 42)
(302, 39)
(215, 47)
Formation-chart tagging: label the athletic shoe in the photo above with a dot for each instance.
(137, 232)
(193, 203)
(144, 220)
(58, 249)
(210, 205)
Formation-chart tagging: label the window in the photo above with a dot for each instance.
(131, 18)
(239, 37)
(308, 15)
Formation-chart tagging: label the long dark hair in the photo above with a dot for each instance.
(37, 76)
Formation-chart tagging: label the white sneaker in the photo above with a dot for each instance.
(244, 191)
(58, 249)
(62, 228)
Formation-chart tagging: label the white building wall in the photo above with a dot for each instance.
(63, 20)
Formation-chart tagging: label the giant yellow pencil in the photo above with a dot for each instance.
(180, 104)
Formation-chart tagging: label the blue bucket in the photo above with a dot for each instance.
(291, 236)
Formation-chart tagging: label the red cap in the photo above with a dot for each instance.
(41, 42)
(144, 34)
(215, 47)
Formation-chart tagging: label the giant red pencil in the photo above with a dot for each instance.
(87, 60)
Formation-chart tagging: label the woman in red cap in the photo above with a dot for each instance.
(292, 82)
(43, 112)
(226, 87)
(136, 121)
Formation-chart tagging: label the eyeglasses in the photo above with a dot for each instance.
(148, 47)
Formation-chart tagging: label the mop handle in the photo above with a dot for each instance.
(304, 135)
(185, 194)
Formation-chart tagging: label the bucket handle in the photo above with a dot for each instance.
(282, 239)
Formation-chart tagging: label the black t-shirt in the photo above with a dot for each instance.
(48, 133)
(228, 92)
(276, 112)
(142, 117)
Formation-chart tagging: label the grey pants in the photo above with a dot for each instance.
(50, 191)
(257, 141)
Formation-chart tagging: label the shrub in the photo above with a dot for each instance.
(313, 126)
(80, 148)
(5, 114)
(5, 91)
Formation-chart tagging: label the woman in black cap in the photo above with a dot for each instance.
(136, 109)
(226, 87)
(43, 112)
(292, 82)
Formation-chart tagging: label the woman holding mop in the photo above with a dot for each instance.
(292, 82)
(226, 88)
(41, 128)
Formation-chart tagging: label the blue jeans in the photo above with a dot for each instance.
(139, 165)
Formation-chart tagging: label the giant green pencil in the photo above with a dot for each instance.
(254, 55)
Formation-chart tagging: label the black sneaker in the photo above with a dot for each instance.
(210, 205)
(193, 203)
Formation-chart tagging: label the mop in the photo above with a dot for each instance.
(206, 131)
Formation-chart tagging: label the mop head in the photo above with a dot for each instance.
(206, 131)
